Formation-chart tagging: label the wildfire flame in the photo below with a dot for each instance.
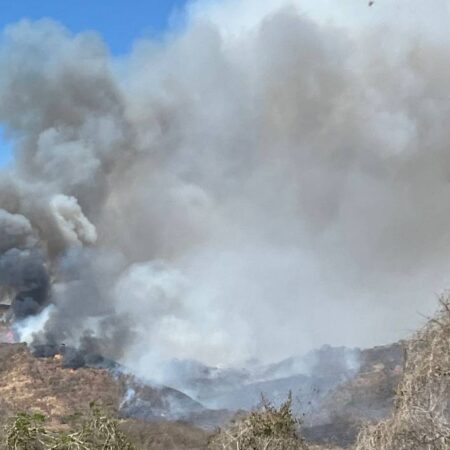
(58, 357)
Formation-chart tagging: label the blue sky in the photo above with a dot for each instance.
(120, 22)
(5, 151)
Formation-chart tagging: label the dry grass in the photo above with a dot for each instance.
(421, 417)
(164, 435)
(95, 431)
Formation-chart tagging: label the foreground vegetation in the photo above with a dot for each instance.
(267, 428)
(27, 431)
(421, 418)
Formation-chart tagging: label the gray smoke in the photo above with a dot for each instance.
(245, 188)
(25, 272)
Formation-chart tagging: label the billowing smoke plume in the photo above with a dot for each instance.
(260, 183)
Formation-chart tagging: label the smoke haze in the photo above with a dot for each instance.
(266, 180)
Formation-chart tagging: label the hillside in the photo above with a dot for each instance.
(28, 383)
(335, 401)
(366, 396)
(42, 384)
(335, 389)
(161, 417)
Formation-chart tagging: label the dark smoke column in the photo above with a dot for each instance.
(26, 273)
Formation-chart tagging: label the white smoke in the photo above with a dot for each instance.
(270, 178)
(26, 329)
(74, 226)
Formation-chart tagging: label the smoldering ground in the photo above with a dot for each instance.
(229, 192)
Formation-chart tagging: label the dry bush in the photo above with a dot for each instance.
(421, 417)
(267, 428)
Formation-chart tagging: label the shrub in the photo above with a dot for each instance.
(267, 428)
